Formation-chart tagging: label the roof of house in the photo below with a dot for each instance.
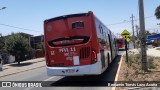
(151, 37)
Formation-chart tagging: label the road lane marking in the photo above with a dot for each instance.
(120, 63)
(50, 78)
(21, 71)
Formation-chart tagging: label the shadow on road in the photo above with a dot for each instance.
(92, 80)
(21, 65)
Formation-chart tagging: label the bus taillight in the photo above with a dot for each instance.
(94, 57)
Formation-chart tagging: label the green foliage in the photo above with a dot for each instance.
(151, 64)
(148, 33)
(1, 45)
(39, 46)
(17, 45)
(1, 42)
(157, 12)
(133, 59)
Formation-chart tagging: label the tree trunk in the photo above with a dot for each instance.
(18, 60)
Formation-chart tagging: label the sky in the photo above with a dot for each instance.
(28, 15)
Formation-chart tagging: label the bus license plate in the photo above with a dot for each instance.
(70, 70)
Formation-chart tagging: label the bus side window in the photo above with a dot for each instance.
(98, 30)
(101, 29)
(103, 35)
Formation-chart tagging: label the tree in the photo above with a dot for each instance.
(157, 12)
(1, 43)
(148, 33)
(39, 46)
(17, 45)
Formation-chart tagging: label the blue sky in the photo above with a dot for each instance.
(30, 14)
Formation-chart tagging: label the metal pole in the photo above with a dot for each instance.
(133, 30)
(126, 49)
(143, 37)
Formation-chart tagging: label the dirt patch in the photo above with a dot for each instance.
(132, 71)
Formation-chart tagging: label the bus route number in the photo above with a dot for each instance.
(64, 50)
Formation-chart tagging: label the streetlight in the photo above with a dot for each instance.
(3, 8)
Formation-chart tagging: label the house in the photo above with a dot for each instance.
(33, 41)
(37, 40)
(36, 43)
(155, 39)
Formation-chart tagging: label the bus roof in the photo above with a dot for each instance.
(67, 16)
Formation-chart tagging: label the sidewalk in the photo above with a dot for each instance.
(10, 69)
(150, 51)
(153, 52)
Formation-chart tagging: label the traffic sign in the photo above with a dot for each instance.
(125, 34)
(128, 39)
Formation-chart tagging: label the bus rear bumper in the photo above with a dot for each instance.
(93, 69)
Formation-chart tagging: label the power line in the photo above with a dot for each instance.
(118, 23)
(19, 28)
(128, 21)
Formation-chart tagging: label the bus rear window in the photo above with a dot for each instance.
(74, 40)
(78, 24)
(119, 41)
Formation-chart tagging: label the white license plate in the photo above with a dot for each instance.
(70, 70)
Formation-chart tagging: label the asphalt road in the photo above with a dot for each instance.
(66, 83)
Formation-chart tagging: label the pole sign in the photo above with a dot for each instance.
(125, 34)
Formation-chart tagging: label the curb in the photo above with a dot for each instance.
(7, 66)
(116, 78)
(41, 59)
(21, 71)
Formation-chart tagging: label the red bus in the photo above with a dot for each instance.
(78, 44)
(120, 42)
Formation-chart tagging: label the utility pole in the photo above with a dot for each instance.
(142, 37)
(137, 41)
(137, 31)
(133, 30)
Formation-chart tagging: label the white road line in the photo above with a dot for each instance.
(28, 88)
(50, 78)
